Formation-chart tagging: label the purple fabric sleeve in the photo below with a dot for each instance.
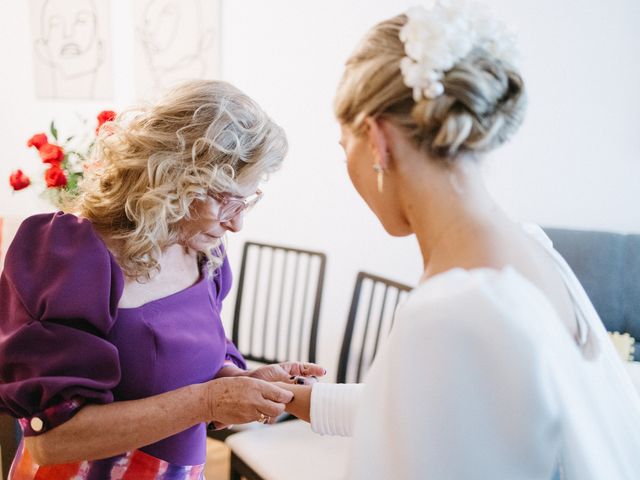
(234, 356)
(59, 293)
(222, 280)
(50, 417)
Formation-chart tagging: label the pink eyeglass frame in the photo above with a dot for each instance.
(231, 205)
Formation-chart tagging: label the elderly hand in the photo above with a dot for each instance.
(240, 399)
(289, 372)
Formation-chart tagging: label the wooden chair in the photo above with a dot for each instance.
(291, 450)
(277, 306)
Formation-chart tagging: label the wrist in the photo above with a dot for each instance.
(204, 395)
(300, 406)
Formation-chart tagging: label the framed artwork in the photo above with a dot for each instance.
(175, 40)
(71, 49)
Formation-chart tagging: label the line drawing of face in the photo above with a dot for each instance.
(174, 38)
(69, 39)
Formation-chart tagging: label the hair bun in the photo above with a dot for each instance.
(482, 106)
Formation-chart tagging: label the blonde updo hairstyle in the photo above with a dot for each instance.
(482, 105)
(155, 161)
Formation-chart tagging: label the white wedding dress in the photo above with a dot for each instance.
(480, 379)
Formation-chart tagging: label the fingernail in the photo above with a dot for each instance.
(300, 381)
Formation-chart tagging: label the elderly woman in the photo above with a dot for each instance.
(112, 352)
(497, 366)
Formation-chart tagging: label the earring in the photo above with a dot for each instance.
(380, 171)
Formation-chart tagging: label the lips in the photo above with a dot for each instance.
(70, 50)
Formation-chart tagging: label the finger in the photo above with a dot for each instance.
(312, 369)
(273, 373)
(292, 368)
(278, 374)
(301, 380)
(270, 409)
(220, 426)
(276, 394)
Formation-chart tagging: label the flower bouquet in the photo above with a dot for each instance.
(67, 160)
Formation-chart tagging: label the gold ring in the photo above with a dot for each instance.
(263, 418)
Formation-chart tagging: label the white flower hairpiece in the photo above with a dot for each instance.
(438, 36)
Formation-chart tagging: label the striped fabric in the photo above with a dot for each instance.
(134, 465)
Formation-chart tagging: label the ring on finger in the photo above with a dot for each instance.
(264, 418)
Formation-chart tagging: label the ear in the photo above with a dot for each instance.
(378, 141)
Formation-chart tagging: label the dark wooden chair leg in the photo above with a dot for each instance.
(233, 473)
(8, 441)
(239, 470)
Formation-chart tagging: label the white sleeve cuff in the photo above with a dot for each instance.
(333, 408)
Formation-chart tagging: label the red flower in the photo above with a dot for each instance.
(52, 154)
(38, 140)
(55, 177)
(19, 180)
(105, 116)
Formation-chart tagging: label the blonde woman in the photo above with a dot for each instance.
(112, 353)
(497, 366)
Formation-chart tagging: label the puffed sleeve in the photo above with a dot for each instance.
(222, 281)
(59, 293)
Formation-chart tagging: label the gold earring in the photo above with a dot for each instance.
(380, 171)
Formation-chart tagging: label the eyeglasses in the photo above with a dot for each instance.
(231, 205)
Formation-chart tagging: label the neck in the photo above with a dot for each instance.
(455, 213)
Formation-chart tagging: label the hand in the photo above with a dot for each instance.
(289, 372)
(234, 400)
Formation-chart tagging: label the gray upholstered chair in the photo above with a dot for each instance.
(608, 266)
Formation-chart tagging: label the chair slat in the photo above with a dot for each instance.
(278, 303)
(359, 326)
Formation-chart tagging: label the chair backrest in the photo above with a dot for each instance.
(371, 316)
(278, 303)
(608, 266)
(9, 439)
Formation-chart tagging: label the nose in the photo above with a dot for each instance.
(235, 224)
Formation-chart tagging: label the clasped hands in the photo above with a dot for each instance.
(262, 394)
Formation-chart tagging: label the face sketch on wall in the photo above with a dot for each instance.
(174, 39)
(69, 44)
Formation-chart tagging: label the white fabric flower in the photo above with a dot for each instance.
(442, 33)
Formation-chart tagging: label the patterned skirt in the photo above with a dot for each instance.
(135, 465)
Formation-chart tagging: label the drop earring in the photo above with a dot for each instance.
(380, 171)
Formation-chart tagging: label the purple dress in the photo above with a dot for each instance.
(64, 341)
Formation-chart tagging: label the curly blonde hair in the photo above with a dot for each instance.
(482, 106)
(154, 161)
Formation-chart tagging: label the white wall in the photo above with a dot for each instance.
(575, 163)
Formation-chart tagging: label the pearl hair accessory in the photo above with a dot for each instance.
(439, 35)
